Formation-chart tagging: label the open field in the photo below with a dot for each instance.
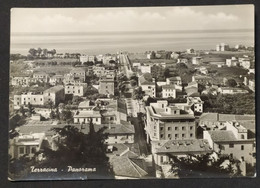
(58, 60)
(58, 69)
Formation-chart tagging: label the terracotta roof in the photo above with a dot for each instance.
(128, 167)
(182, 146)
(222, 136)
(54, 89)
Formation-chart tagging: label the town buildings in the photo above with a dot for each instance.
(55, 94)
(222, 47)
(168, 91)
(148, 87)
(169, 122)
(106, 85)
(78, 89)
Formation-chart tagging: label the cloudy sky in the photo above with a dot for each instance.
(132, 19)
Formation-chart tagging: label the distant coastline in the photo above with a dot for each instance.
(132, 41)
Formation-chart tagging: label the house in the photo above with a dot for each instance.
(83, 58)
(20, 81)
(169, 122)
(196, 60)
(26, 145)
(176, 80)
(174, 55)
(216, 121)
(85, 116)
(233, 142)
(92, 58)
(106, 85)
(231, 91)
(201, 79)
(145, 68)
(128, 167)
(203, 70)
(197, 103)
(41, 77)
(99, 58)
(55, 94)
(78, 89)
(245, 63)
(182, 60)
(232, 62)
(25, 98)
(162, 150)
(222, 47)
(56, 80)
(148, 87)
(78, 73)
(192, 88)
(168, 91)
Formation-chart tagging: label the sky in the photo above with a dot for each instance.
(132, 19)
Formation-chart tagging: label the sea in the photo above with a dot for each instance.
(95, 43)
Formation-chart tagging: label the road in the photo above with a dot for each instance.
(124, 61)
(140, 137)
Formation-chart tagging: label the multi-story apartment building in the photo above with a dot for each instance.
(106, 85)
(25, 145)
(77, 89)
(168, 91)
(41, 77)
(79, 73)
(56, 80)
(169, 122)
(20, 81)
(55, 94)
(233, 141)
(148, 87)
(25, 98)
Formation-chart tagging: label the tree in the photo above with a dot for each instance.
(205, 166)
(52, 115)
(30, 109)
(39, 52)
(33, 52)
(22, 111)
(231, 83)
(77, 149)
(138, 95)
(148, 77)
(50, 104)
(66, 115)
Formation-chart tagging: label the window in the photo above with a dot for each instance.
(242, 158)
(221, 147)
(183, 128)
(33, 150)
(242, 147)
(231, 145)
(176, 128)
(176, 135)
(96, 119)
(183, 135)
(242, 136)
(161, 128)
(191, 127)
(169, 128)
(115, 137)
(161, 135)
(154, 127)
(169, 135)
(78, 91)
(191, 135)
(21, 150)
(161, 159)
(231, 155)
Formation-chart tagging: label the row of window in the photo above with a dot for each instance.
(26, 150)
(169, 136)
(231, 146)
(175, 128)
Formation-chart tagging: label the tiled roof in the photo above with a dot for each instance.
(179, 146)
(168, 87)
(86, 113)
(128, 167)
(226, 117)
(54, 89)
(222, 136)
